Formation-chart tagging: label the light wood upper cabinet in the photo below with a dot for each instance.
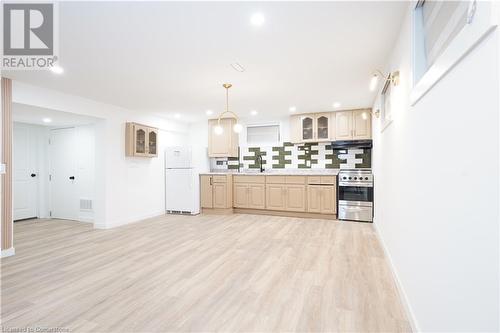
(216, 191)
(362, 124)
(307, 128)
(312, 127)
(224, 144)
(343, 125)
(330, 126)
(141, 140)
(353, 125)
(324, 128)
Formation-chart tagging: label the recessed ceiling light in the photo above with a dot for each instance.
(292, 109)
(257, 19)
(47, 120)
(209, 112)
(57, 69)
(253, 112)
(177, 115)
(336, 104)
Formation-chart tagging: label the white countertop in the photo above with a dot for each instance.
(285, 172)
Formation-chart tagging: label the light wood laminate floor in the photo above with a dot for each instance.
(228, 273)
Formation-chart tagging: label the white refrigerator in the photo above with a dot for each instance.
(182, 193)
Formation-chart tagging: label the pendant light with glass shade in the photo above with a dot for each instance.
(218, 129)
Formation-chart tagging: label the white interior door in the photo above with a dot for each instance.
(25, 174)
(63, 168)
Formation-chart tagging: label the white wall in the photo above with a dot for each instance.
(436, 170)
(85, 163)
(126, 189)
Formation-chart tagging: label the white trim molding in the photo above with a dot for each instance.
(8, 252)
(483, 22)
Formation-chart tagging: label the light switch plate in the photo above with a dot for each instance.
(2, 168)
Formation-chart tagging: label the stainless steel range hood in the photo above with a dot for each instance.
(352, 144)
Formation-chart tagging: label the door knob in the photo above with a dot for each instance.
(33, 175)
(72, 177)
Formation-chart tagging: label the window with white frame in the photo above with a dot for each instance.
(259, 134)
(443, 32)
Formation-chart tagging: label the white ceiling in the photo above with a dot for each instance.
(29, 114)
(172, 57)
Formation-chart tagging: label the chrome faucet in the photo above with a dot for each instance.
(259, 158)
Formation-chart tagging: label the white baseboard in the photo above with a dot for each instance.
(128, 221)
(402, 294)
(8, 252)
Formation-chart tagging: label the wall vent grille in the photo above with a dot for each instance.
(85, 204)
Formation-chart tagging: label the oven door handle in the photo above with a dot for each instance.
(342, 184)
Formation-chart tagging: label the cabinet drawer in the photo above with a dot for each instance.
(328, 179)
(314, 180)
(219, 179)
(275, 179)
(295, 179)
(250, 179)
(323, 180)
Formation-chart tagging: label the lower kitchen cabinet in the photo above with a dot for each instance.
(282, 193)
(275, 197)
(286, 197)
(216, 191)
(249, 196)
(295, 198)
(321, 199)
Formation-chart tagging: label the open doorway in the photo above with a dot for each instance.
(53, 164)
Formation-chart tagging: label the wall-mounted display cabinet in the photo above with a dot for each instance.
(331, 126)
(141, 140)
(223, 144)
(313, 127)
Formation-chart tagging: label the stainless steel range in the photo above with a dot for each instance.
(356, 195)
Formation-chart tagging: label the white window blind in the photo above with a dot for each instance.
(442, 21)
(263, 134)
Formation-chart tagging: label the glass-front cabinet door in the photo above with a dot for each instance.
(152, 142)
(307, 126)
(323, 126)
(140, 140)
